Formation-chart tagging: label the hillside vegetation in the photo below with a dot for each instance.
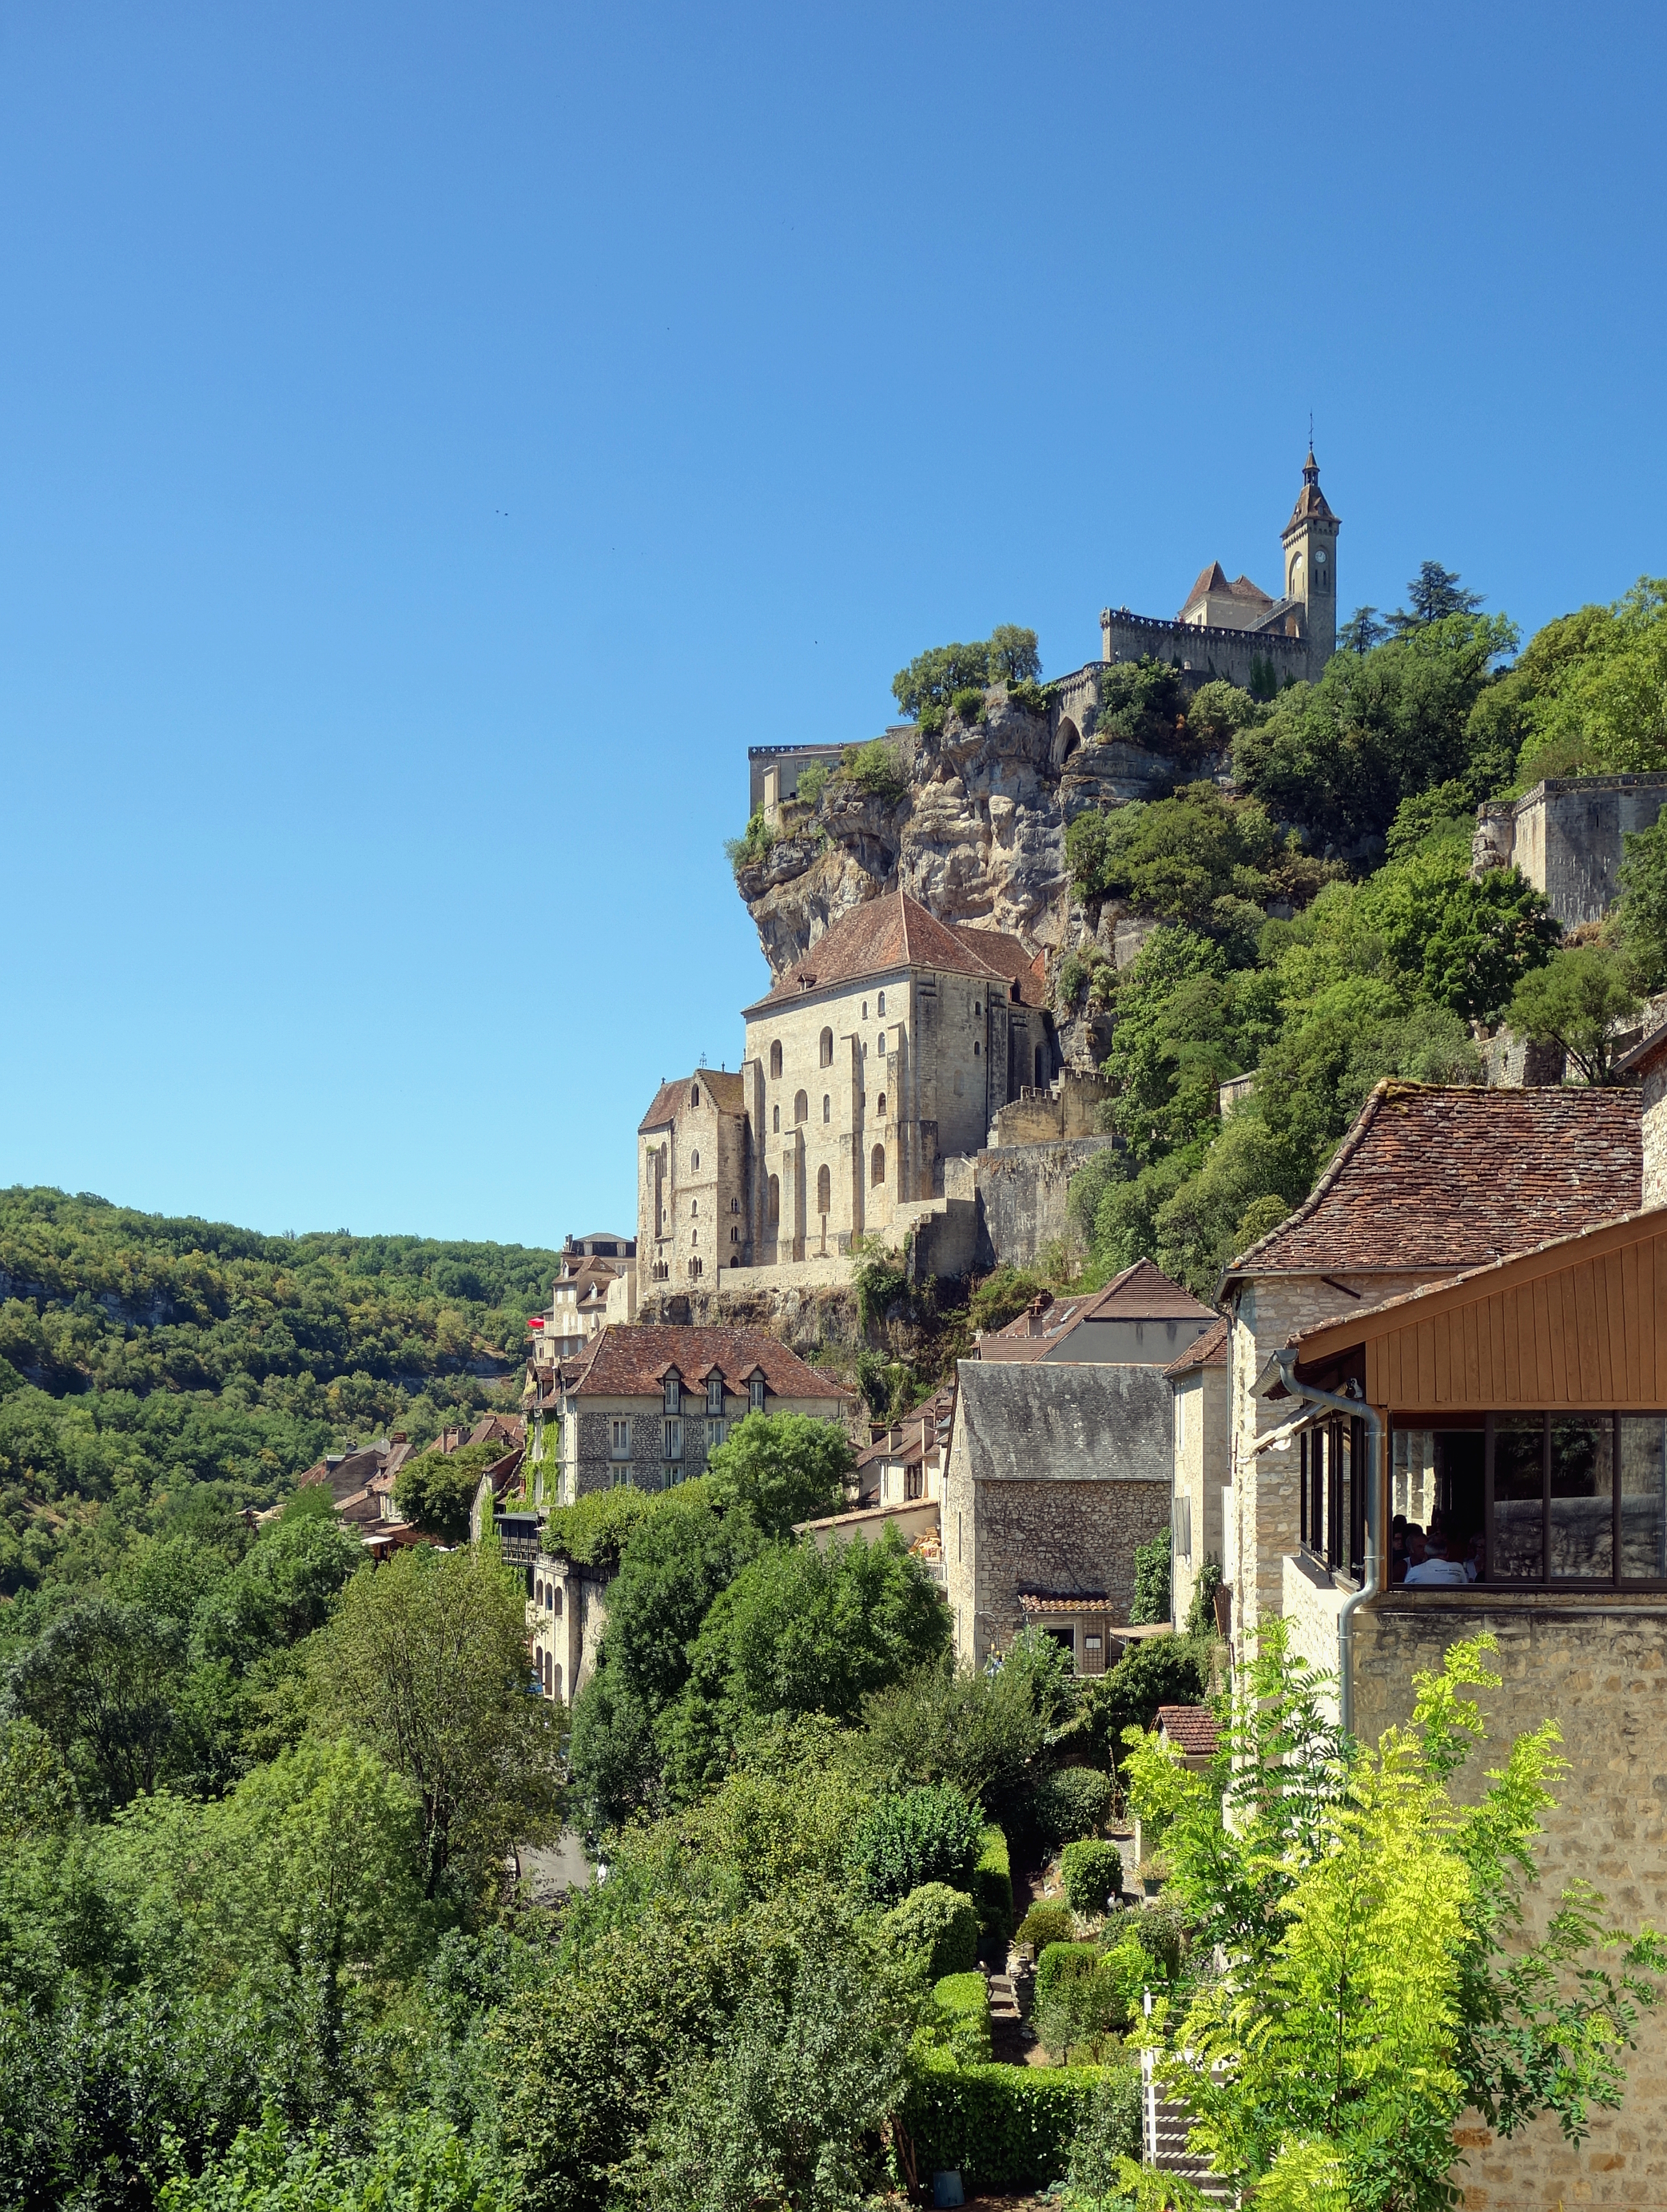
(141, 1356)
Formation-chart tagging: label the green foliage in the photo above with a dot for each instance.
(1159, 1670)
(967, 706)
(1092, 1874)
(1578, 1000)
(1196, 857)
(436, 1490)
(1003, 2127)
(876, 769)
(752, 848)
(1002, 1296)
(594, 1529)
(1200, 1613)
(1072, 1802)
(1217, 712)
(961, 2000)
(1152, 1570)
(1080, 1999)
(928, 686)
(779, 1468)
(419, 2164)
(879, 1281)
(1433, 594)
(926, 1835)
(938, 1924)
(1112, 2131)
(992, 1885)
(103, 1686)
(1045, 1923)
(1598, 700)
(812, 782)
(1144, 702)
(1641, 919)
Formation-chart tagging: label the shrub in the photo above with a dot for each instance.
(1080, 1998)
(592, 1531)
(1152, 1564)
(962, 2005)
(1072, 974)
(1045, 1924)
(879, 1279)
(968, 705)
(939, 1922)
(1111, 2131)
(812, 782)
(1072, 1802)
(992, 1885)
(752, 849)
(1029, 698)
(876, 768)
(1093, 1875)
(1159, 1929)
(1004, 2127)
(930, 1835)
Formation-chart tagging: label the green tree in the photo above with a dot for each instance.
(1434, 593)
(1361, 631)
(924, 689)
(436, 1488)
(1641, 918)
(103, 1684)
(1152, 1567)
(1599, 688)
(425, 1661)
(1174, 857)
(1144, 702)
(1578, 1000)
(778, 1468)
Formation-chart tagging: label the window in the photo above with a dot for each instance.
(776, 1120)
(801, 1108)
(823, 1192)
(865, 1010)
(734, 1205)
(882, 1044)
(1332, 1501)
(715, 1433)
(694, 1159)
(977, 1007)
(735, 1236)
(694, 1206)
(671, 1442)
(775, 1062)
(876, 1166)
(715, 1394)
(694, 1236)
(825, 1049)
(621, 1446)
(882, 1105)
(1041, 1081)
(755, 1393)
(695, 1264)
(975, 1047)
(827, 1109)
(882, 1005)
(1183, 1527)
(673, 1392)
(694, 1094)
(914, 1483)
(623, 1476)
(773, 1199)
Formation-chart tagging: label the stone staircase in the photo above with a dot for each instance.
(1167, 2126)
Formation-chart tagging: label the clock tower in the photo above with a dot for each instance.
(1310, 539)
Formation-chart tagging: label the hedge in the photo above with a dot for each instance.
(1093, 1872)
(1072, 1802)
(992, 1885)
(1004, 2127)
(939, 1921)
(965, 2001)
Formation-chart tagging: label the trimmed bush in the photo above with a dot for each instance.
(1072, 1802)
(1005, 2127)
(1044, 1924)
(963, 2002)
(924, 1835)
(1112, 2131)
(939, 1922)
(1093, 1875)
(992, 1886)
(1161, 1932)
(1080, 1998)
(1061, 1963)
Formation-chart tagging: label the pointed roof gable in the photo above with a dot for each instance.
(877, 939)
(726, 1090)
(1311, 505)
(1211, 578)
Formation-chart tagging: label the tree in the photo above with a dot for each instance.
(1641, 919)
(282, 1588)
(924, 689)
(425, 1661)
(1578, 1000)
(1362, 631)
(103, 1683)
(1380, 1979)
(1151, 1566)
(1143, 703)
(436, 1490)
(778, 1468)
(1173, 857)
(1435, 593)
(1599, 688)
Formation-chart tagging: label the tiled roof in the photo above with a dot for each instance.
(1212, 577)
(876, 939)
(1009, 957)
(631, 1360)
(1438, 1176)
(1209, 1351)
(1141, 1292)
(726, 1093)
(1048, 1601)
(1633, 1062)
(1189, 1728)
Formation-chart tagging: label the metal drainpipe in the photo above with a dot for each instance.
(1358, 1409)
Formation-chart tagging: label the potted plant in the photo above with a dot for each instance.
(1154, 1873)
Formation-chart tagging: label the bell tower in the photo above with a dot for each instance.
(1310, 539)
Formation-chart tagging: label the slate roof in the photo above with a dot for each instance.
(1027, 1422)
(1311, 500)
(1142, 1292)
(1433, 1176)
(631, 1361)
(1210, 1350)
(726, 1091)
(876, 939)
(1189, 1728)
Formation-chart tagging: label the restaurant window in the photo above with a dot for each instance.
(1331, 1495)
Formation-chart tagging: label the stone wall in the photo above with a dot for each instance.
(1655, 1132)
(1600, 1671)
(1208, 651)
(1022, 1190)
(569, 1624)
(1201, 1457)
(1566, 835)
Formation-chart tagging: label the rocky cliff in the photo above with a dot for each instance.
(978, 835)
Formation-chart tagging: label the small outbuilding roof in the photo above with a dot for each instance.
(1190, 1729)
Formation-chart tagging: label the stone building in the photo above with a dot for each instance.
(566, 1614)
(646, 1404)
(1054, 1475)
(1140, 1317)
(1430, 1180)
(1566, 836)
(1645, 1065)
(1198, 1379)
(596, 1284)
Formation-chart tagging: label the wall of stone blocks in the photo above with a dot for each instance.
(1655, 1134)
(1600, 1671)
(1200, 1471)
(1022, 1191)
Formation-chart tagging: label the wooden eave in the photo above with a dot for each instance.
(1579, 1322)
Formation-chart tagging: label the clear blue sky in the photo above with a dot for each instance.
(436, 441)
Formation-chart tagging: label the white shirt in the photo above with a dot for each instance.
(1438, 1571)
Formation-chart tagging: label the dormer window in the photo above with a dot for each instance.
(715, 1394)
(673, 1392)
(755, 1391)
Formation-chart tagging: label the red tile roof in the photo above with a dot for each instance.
(1638, 1057)
(631, 1361)
(1009, 957)
(1050, 1602)
(1434, 1177)
(1189, 1728)
(1209, 1351)
(1142, 1292)
(725, 1091)
(876, 939)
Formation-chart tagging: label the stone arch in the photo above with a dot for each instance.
(775, 1061)
(1066, 738)
(773, 1199)
(823, 1191)
(825, 1049)
(876, 1166)
(555, 1597)
(882, 1105)
(802, 1107)
(694, 1094)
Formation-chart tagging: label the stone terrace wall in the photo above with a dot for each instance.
(1022, 1190)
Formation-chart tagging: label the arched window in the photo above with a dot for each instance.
(556, 1600)
(802, 1107)
(538, 1594)
(882, 1005)
(555, 1682)
(827, 1048)
(977, 1007)
(694, 1159)
(823, 1192)
(775, 1063)
(694, 1207)
(865, 1010)
(734, 1205)
(776, 1120)
(827, 1108)
(735, 1236)
(876, 1166)
(694, 1094)
(882, 1044)
(773, 1201)
(975, 1047)
(882, 1105)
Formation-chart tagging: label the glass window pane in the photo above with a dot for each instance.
(1583, 1497)
(1518, 1541)
(1643, 1497)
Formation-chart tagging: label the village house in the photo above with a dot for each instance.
(1198, 1383)
(1055, 1475)
(596, 1284)
(1140, 1316)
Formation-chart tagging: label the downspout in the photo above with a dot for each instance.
(1358, 1409)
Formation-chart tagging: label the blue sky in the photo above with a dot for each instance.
(435, 441)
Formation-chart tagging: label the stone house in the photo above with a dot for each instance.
(1055, 1475)
(1140, 1316)
(1645, 1065)
(1198, 1380)
(566, 1613)
(1566, 836)
(646, 1404)
(596, 1284)
(1431, 1181)
(1518, 1407)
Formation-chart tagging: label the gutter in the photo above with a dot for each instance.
(1358, 1409)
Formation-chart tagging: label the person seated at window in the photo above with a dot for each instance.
(1435, 1567)
(1476, 1558)
(1414, 1548)
(1398, 1548)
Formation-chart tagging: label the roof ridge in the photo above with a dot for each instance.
(1334, 1167)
